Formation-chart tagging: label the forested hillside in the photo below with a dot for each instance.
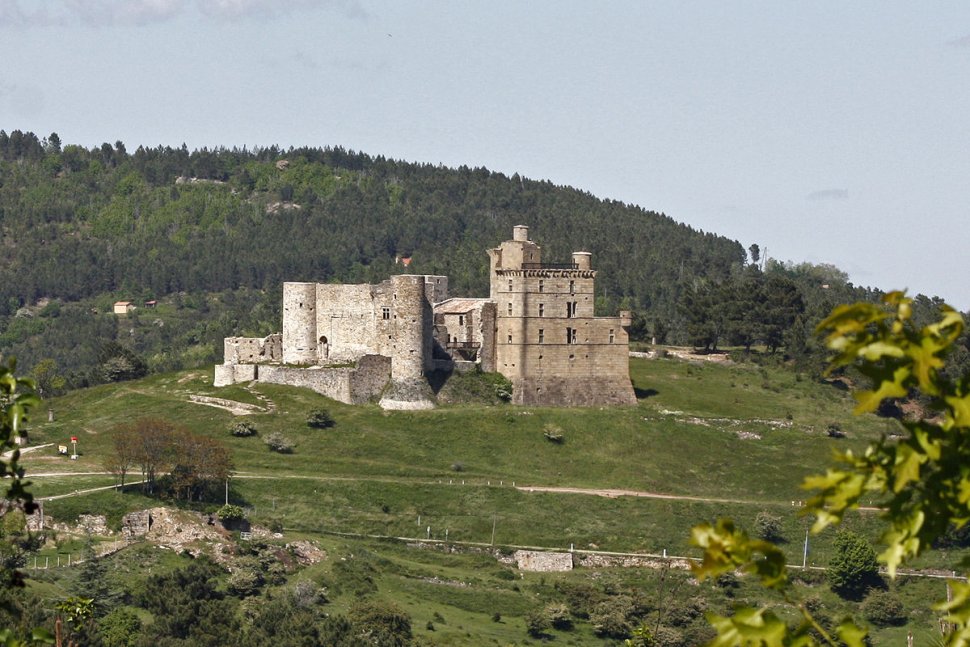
(212, 234)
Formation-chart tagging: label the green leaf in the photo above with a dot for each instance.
(851, 634)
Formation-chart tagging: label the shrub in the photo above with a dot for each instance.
(553, 433)
(277, 442)
(537, 623)
(231, 512)
(853, 570)
(381, 622)
(559, 616)
(320, 419)
(243, 429)
(834, 430)
(244, 582)
(768, 527)
(884, 609)
(457, 466)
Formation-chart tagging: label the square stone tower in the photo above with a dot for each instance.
(547, 341)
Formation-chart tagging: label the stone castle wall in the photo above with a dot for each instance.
(537, 328)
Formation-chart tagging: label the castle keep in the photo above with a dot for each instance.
(355, 343)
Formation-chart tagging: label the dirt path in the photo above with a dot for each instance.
(614, 493)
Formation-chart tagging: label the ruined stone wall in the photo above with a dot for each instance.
(486, 329)
(351, 385)
(435, 288)
(543, 562)
(253, 350)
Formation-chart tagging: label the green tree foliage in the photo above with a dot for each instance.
(159, 222)
(853, 569)
(922, 478)
(187, 606)
(120, 628)
(196, 464)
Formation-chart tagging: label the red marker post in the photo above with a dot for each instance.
(73, 448)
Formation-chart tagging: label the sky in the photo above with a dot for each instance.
(826, 132)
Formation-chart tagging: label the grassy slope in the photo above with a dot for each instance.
(376, 472)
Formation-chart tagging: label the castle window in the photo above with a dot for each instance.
(540, 285)
(570, 335)
(612, 336)
(461, 320)
(510, 308)
(574, 309)
(510, 337)
(541, 309)
(542, 336)
(510, 285)
(570, 308)
(572, 286)
(385, 313)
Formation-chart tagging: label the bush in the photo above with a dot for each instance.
(244, 582)
(553, 433)
(853, 570)
(834, 430)
(243, 429)
(457, 466)
(537, 623)
(277, 442)
(320, 419)
(231, 512)
(884, 609)
(559, 616)
(610, 618)
(383, 623)
(768, 527)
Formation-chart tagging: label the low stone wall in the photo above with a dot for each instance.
(226, 374)
(348, 384)
(543, 562)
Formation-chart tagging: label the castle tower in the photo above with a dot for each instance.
(299, 323)
(411, 351)
(547, 341)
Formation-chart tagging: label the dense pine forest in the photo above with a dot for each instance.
(210, 235)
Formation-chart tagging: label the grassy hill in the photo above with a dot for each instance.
(713, 439)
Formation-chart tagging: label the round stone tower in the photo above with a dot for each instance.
(583, 260)
(409, 305)
(299, 323)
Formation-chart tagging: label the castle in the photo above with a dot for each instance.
(356, 343)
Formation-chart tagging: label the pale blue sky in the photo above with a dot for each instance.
(828, 132)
